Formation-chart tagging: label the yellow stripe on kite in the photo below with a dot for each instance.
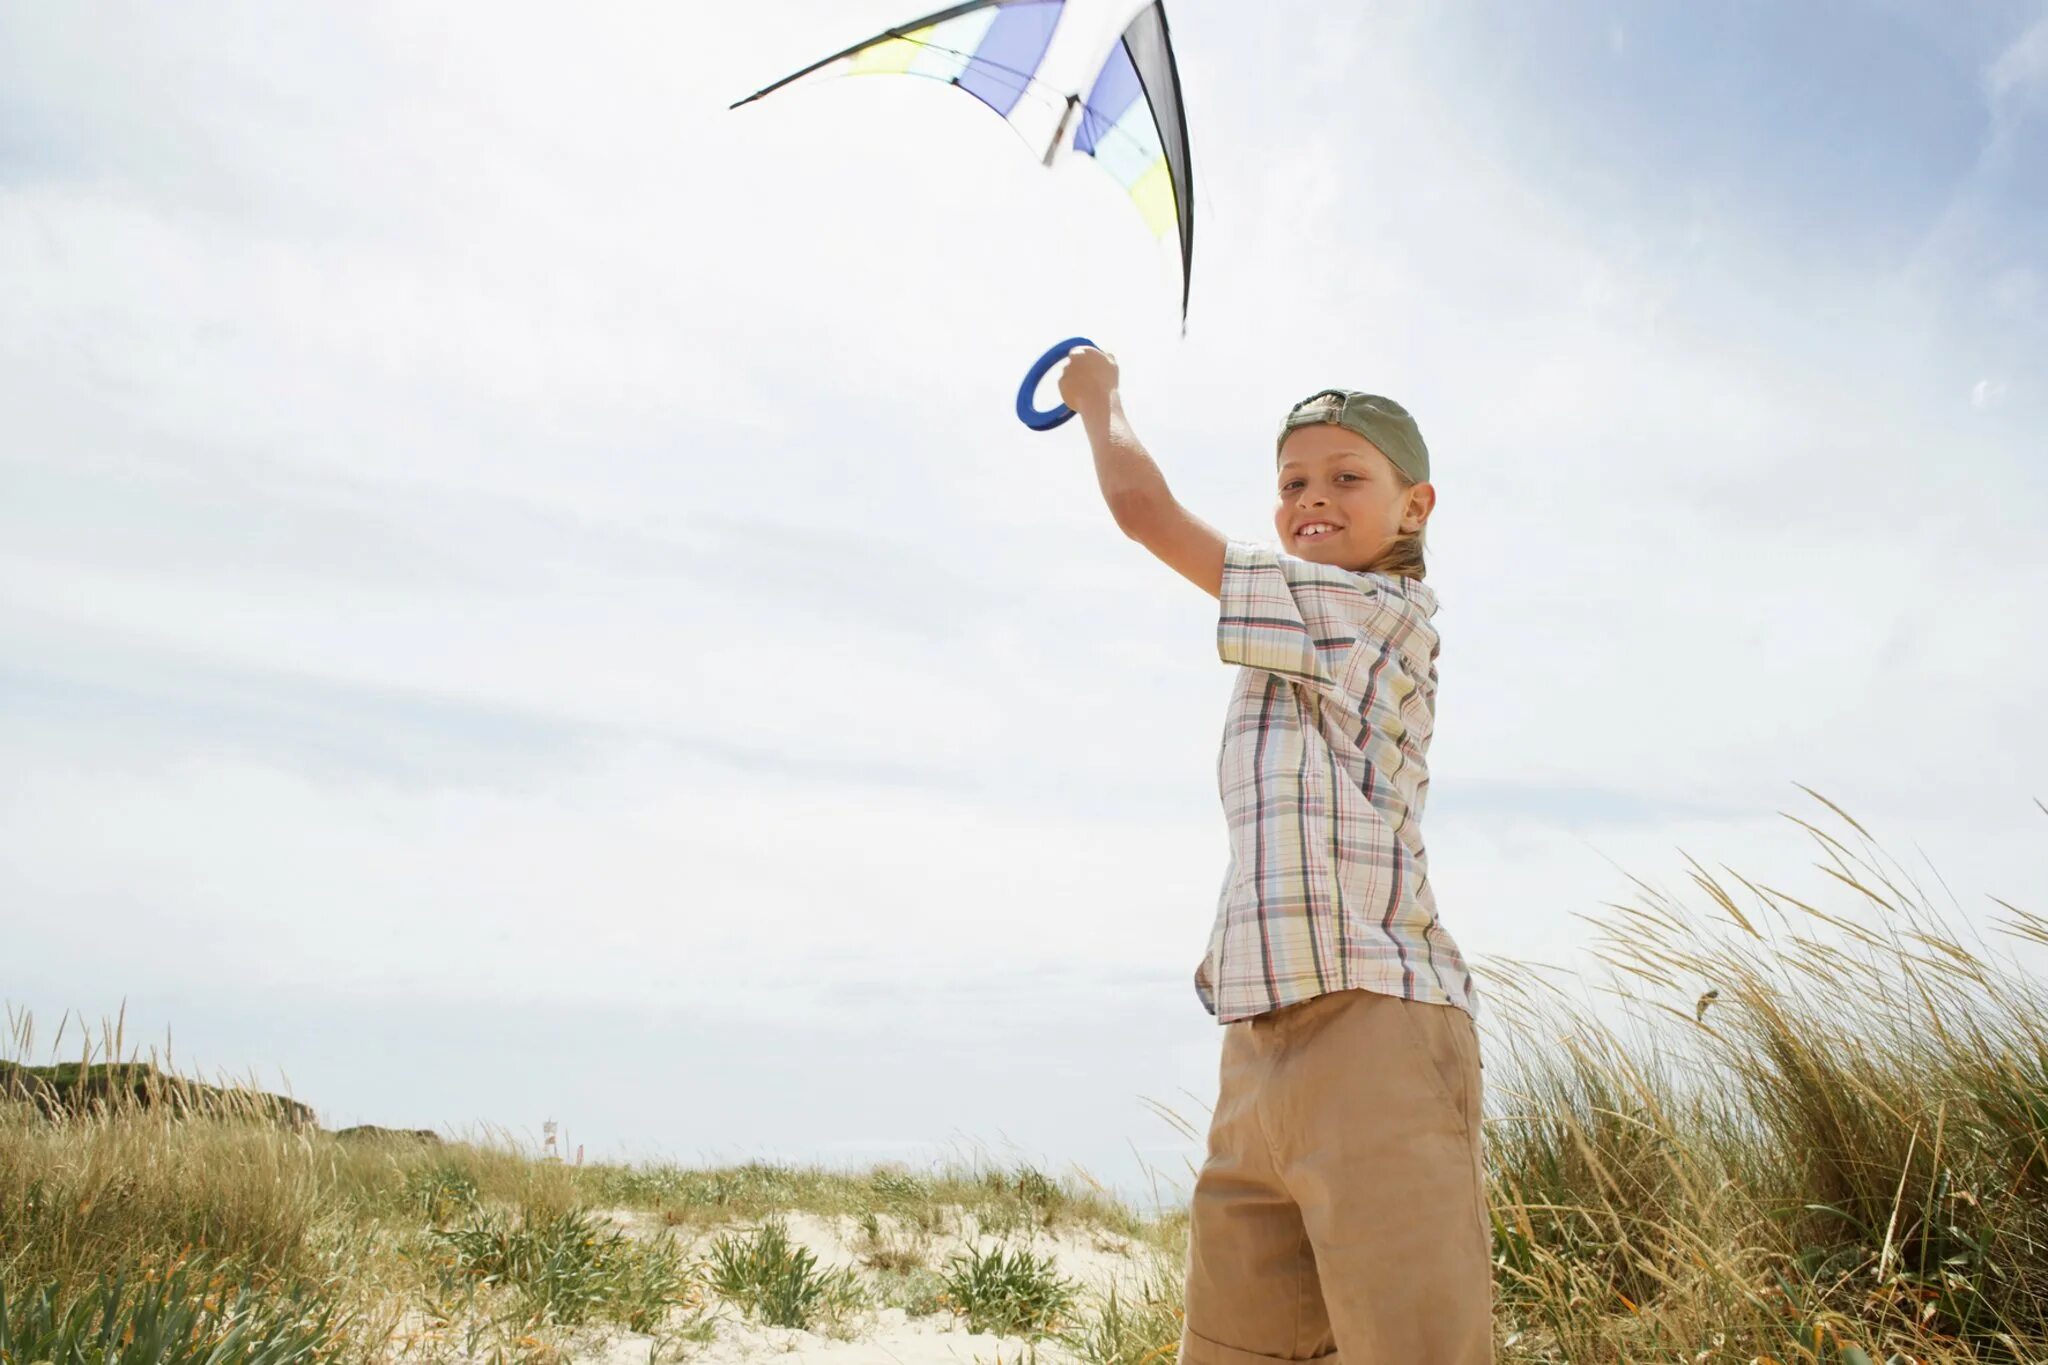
(891, 56)
(1153, 194)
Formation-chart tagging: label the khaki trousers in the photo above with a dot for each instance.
(1341, 1213)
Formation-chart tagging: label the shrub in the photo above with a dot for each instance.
(82, 1089)
(1009, 1291)
(571, 1267)
(187, 1316)
(765, 1274)
(440, 1192)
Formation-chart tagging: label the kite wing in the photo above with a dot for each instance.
(989, 48)
(1134, 125)
(1132, 121)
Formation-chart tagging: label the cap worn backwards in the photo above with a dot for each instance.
(1382, 421)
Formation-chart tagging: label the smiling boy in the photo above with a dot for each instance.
(1341, 1209)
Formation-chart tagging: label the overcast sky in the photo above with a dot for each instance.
(522, 596)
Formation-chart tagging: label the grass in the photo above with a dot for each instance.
(183, 1318)
(1821, 1133)
(1132, 1324)
(778, 1281)
(889, 1246)
(570, 1268)
(1803, 1128)
(1009, 1290)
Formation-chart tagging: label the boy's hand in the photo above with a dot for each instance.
(1088, 380)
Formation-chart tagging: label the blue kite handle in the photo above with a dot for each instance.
(1028, 411)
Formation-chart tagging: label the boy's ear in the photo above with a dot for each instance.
(1421, 502)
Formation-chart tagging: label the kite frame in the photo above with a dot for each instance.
(1071, 101)
(900, 31)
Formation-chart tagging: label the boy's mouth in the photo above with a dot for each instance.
(1316, 530)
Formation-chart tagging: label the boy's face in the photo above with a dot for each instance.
(1341, 500)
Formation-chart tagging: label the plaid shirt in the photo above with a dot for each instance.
(1323, 778)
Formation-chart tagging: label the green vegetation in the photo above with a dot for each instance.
(1009, 1290)
(183, 1318)
(569, 1268)
(1800, 1130)
(918, 1292)
(1132, 1325)
(1824, 1132)
(82, 1087)
(765, 1274)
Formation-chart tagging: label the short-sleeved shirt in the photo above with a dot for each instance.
(1323, 773)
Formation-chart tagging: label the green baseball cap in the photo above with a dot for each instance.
(1382, 421)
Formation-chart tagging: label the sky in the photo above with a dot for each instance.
(522, 596)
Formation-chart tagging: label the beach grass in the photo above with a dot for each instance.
(1791, 1129)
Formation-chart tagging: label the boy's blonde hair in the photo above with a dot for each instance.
(1404, 555)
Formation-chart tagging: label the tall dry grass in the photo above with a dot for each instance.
(1791, 1128)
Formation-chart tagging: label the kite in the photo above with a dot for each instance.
(1130, 122)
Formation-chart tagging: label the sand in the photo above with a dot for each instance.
(1094, 1257)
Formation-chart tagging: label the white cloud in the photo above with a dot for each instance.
(2022, 67)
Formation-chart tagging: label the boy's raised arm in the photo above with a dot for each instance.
(1144, 507)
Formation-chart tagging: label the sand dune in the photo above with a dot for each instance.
(1093, 1257)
